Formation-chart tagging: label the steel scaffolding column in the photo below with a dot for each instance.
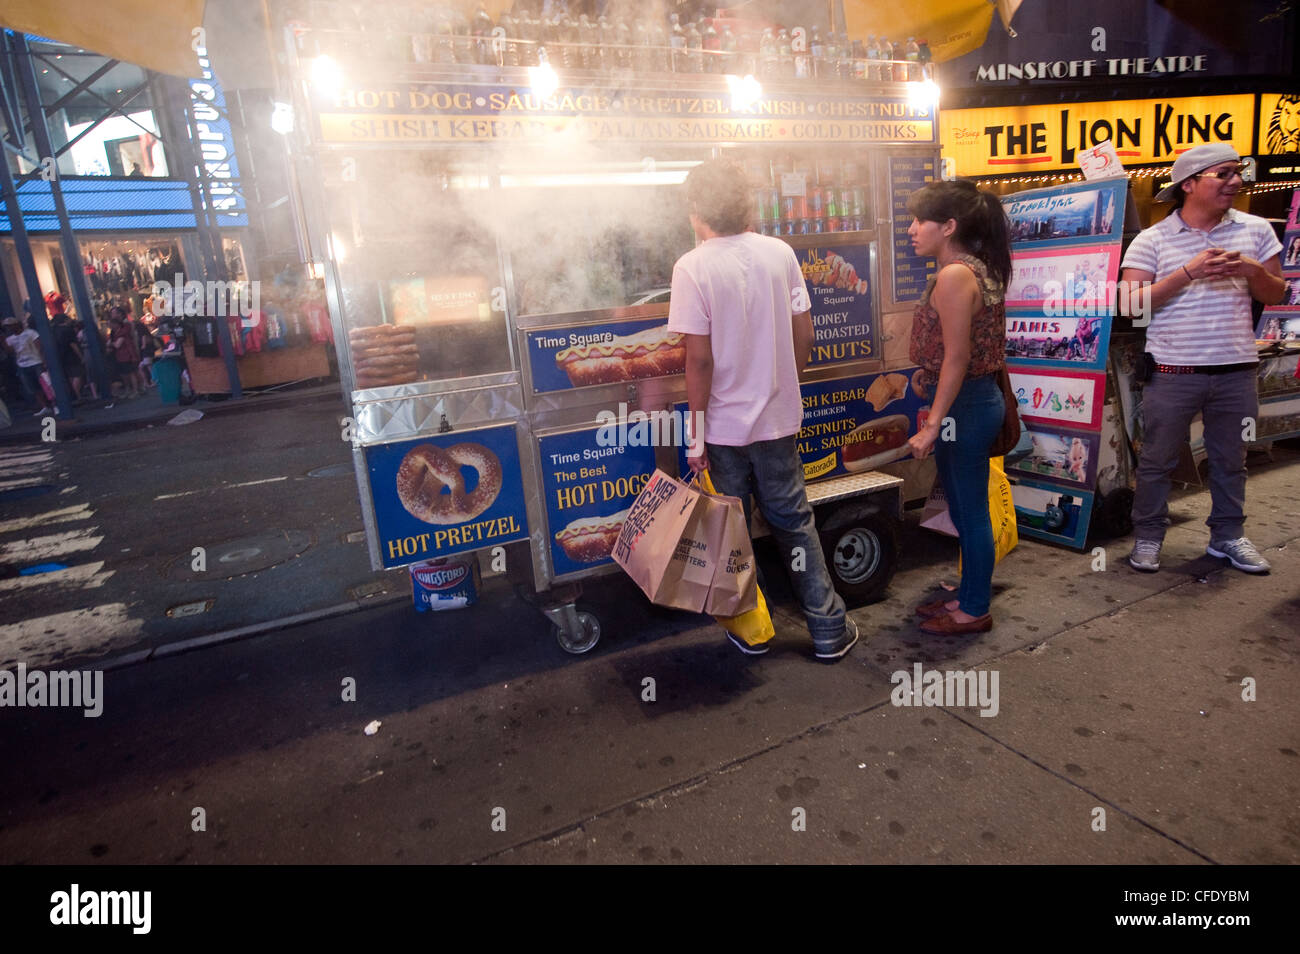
(36, 304)
(26, 71)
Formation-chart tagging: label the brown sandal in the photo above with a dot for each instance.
(947, 626)
(937, 608)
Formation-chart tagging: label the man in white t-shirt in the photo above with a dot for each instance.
(741, 301)
(1198, 269)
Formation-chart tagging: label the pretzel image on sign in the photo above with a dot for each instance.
(432, 488)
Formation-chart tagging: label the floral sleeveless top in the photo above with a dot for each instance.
(988, 330)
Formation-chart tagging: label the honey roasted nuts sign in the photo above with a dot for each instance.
(1029, 138)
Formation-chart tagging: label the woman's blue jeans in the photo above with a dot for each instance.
(963, 464)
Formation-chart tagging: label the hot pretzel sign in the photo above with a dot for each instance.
(446, 494)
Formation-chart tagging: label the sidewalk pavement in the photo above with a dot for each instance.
(96, 418)
(1146, 719)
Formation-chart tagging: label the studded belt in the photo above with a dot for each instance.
(1205, 368)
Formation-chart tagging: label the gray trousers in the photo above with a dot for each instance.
(1227, 403)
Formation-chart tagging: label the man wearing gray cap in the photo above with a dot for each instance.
(1200, 267)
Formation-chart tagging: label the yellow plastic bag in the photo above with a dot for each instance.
(1002, 513)
(754, 627)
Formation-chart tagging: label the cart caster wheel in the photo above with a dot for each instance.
(861, 558)
(578, 643)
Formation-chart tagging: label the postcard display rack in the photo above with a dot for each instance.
(498, 260)
(1065, 261)
(1278, 339)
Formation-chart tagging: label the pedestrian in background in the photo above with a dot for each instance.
(1196, 272)
(741, 301)
(26, 346)
(959, 341)
(123, 343)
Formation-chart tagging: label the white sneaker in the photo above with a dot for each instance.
(1241, 553)
(1145, 555)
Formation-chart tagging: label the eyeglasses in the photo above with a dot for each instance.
(1237, 170)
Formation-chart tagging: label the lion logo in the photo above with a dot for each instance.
(1284, 126)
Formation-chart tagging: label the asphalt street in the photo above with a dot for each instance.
(113, 522)
(1146, 719)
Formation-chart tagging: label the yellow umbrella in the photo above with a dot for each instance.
(156, 35)
(160, 34)
(952, 28)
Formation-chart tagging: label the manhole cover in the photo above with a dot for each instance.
(242, 555)
(189, 609)
(22, 493)
(331, 470)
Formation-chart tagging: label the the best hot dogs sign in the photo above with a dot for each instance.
(450, 493)
(589, 488)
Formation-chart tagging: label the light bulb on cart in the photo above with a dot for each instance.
(543, 78)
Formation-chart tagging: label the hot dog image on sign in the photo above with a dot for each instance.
(446, 494)
(579, 356)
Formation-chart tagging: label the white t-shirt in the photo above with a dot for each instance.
(743, 291)
(25, 348)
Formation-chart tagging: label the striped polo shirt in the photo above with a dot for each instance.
(1208, 321)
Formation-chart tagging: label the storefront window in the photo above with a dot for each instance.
(119, 146)
(92, 137)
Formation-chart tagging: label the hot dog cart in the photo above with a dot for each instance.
(496, 218)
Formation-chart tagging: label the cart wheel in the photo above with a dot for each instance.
(1113, 516)
(861, 557)
(578, 643)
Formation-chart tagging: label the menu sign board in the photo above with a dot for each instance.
(911, 271)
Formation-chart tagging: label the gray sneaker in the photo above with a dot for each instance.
(1241, 553)
(1145, 555)
(838, 650)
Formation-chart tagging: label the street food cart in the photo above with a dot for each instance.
(497, 214)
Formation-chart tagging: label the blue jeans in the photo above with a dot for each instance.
(964, 472)
(773, 472)
(30, 378)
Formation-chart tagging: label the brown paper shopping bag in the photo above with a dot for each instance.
(735, 581)
(669, 543)
(752, 624)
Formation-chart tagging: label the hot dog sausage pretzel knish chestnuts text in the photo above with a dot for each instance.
(384, 355)
(432, 489)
